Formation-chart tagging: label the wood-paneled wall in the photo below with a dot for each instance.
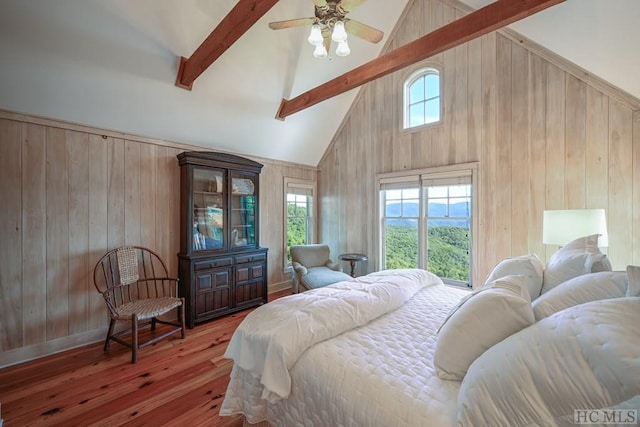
(545, 133)
(69, 193)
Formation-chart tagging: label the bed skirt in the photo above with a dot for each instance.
(246, 423)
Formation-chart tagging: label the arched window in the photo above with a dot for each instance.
(422, 98)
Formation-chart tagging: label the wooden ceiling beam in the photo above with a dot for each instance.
(229, 30)
(482, 21)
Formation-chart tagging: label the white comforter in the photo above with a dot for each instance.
(389, 360)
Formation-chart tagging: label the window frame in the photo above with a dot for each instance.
(305, 184)
(416, 73)
(410, 177)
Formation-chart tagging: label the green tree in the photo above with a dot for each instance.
(448, 250)
(296, 226)
(401, 247)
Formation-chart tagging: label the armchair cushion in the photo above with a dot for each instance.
(318, 277)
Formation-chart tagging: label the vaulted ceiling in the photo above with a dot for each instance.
(113, 64)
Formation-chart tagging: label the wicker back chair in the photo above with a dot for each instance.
(135, 285)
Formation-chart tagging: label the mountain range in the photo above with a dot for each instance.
(435, 210)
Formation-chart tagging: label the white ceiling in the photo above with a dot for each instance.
(112, 64)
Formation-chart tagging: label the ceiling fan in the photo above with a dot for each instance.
(330, 23)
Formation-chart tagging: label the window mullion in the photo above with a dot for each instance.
(423, 231)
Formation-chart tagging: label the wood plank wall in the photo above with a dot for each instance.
(545, 133)
(70, 193)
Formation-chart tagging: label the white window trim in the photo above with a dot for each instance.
(418, 175)
(305, 184)
(414, 73)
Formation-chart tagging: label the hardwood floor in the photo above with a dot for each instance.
(175, 383)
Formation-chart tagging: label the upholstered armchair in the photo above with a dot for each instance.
(313, 267)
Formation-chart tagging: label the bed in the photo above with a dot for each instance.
(331, 375)
(361, 353)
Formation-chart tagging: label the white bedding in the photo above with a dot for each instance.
(379, 374)
(586, 357)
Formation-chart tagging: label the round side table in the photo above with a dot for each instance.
(353, 259)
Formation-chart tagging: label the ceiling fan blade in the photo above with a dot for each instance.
(349, 5)
(363, 31)
(278, 25)
(320, 3)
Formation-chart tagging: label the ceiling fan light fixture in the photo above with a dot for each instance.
(343, 49)
(330, 25)
(339, 34)
(320, 51)
(315, 36)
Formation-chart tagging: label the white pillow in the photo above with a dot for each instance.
(584, 357)
(633, 274)
(528, 266)
(480, 320)
(578, 257)
(581, 289)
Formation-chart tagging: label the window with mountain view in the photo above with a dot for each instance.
(427, 222)
(422, 98)
(401, 227)
(449, 231)
(300, 225)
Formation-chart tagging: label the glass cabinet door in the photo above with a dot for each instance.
(208, 209)
(243, 210)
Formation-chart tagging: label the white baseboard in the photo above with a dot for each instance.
(47, 348)
(277, 287)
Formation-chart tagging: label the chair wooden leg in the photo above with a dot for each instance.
(134, 338)
(181, 318)
(153, 323)
(107, 341)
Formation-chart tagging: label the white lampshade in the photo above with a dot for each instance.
(343, 49)
(339, 34)
(315, 36)
(320, 51)
(560, 227)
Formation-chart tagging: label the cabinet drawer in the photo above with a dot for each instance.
(251, 258)
(212, 263)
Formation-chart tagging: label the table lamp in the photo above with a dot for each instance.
(560, 227)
